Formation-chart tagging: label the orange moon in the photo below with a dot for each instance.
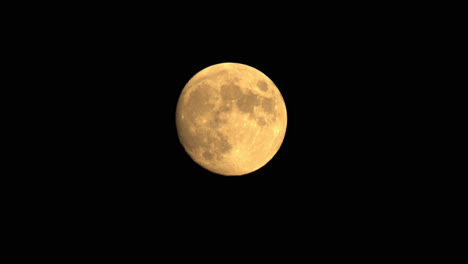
(231, 119)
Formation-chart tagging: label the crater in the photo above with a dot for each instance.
(261, 121)
(247, 102)
(268, 105)
(208, 155)
(198, 102)
(226, 107)
(212, 144)
(230, 92)
(262, 86)
(216, 121)
(222, 144)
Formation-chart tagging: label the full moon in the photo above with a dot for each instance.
(231, 119)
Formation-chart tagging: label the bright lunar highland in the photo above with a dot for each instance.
(231, 119)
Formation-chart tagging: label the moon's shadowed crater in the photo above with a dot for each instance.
(213, 144)
(262, 86)
(247, 102)
(229, 92)
(199, 103)
(218, 145)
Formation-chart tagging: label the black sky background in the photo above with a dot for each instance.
(363, 171)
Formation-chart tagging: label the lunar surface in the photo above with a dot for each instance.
(231, 119)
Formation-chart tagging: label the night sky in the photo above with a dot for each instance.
(362, 173)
